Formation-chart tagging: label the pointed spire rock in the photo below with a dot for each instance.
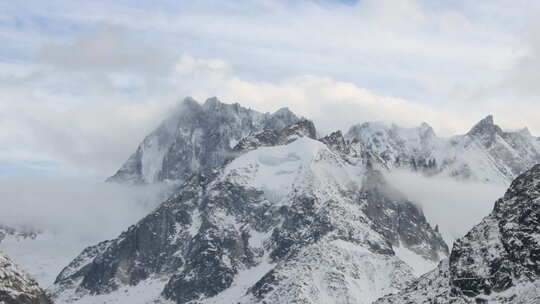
(525, 131)
(211, 102)
(426, 130)
(485, 126)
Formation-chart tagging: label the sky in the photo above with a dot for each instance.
(83, 82)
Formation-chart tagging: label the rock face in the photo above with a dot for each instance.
(16, 287)
(196, 137)
(498, 261)
(291, 219)
(486, 153)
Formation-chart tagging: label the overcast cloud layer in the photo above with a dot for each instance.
(82, 82)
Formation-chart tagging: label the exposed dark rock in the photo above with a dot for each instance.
(194, 138)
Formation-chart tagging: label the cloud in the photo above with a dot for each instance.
(453, 205)
(83, 82)
(82, 209)
(69, 214)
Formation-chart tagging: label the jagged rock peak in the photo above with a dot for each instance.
(196, 137)
(283, 112)
(525, 186)
(485, 126)
(190, 101)
(525, 131)
(426, 130)
(16, 287)
(303, 128)
(336, 141)
(288, 134)
(212, 102)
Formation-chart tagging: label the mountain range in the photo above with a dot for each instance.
(267, 210)
(200, 136)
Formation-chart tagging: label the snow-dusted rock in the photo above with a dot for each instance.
(16, 287)
(196, 137)
(486, 153)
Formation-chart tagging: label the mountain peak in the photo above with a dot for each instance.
(188, 103)
(283, 111)
(488, 119)
(525, 131)
(212, 102)
(485, 126)
(189, 100)
(526, 184)
(302, 128)
(195, 137)
(426, 130)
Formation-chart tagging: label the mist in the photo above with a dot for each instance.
(453, 205)
(68, 215)
(85, 209)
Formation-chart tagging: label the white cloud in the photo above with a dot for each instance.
(453, 205)
(78, 208)
(69, 216)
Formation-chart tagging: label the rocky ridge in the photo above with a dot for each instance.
(486, 153)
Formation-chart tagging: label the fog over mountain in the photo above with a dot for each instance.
(220, 170)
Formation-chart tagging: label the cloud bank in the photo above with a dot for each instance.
(83, 210)
(453, 205)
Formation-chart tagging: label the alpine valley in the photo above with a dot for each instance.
(265, 209)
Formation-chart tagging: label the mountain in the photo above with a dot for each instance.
(486, 153)
(16, 287)
(498, 261)
(201, 136)
(196, 137)
(290, 219)
(267, 212)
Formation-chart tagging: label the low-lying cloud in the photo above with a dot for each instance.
(86, 210)
(455, 206)
(68, 216)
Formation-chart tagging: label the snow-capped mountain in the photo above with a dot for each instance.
(486, 153)
(267, 212)
(498, 261)
(200, 136)
(16, 287)
(196, 137)
(289, 219)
